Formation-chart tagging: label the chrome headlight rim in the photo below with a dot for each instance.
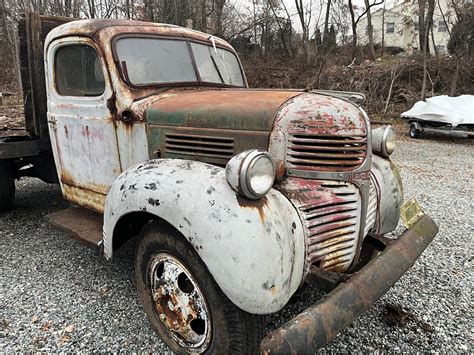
(383, 141)
(389, 133)
(246, 173)
(242, 165)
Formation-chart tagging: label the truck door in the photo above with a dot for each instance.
(81, 128)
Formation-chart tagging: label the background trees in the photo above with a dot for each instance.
(294, 43)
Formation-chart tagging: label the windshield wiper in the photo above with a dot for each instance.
(217, 69)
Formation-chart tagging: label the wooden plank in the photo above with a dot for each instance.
(25, 76)
(80, 224)
(35, 61)
(20, 149)
(32, 32)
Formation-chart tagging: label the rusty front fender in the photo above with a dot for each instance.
(319, 324)
(253, 249)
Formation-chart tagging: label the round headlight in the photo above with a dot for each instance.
(389, 140)
(251, 173)
(383, 141)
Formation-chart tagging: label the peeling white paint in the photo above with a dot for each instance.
(255, 250)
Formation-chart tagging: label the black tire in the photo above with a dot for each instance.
(414, 132)
(7, 186)
(232, 330)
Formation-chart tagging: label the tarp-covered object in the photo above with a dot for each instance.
(455, 110)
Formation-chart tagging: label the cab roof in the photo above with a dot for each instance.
(108, 28)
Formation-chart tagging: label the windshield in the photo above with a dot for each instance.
(148, 61)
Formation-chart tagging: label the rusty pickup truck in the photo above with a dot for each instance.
(238, 196)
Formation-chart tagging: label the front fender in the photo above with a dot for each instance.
(255, 250)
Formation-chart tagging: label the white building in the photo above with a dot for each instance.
(401, 26)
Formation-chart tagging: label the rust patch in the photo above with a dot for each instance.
(85, 198)
(330, 210)
(239, 109)
(319, 324)
(68, 179)
(259, 205)
(323, 134)
(280, 171)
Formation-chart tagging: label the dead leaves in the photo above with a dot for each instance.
(46, 326)
(104, 291)
(4, 324)
(397, 315)
(38, 340)
(63, 336)
(63, 339)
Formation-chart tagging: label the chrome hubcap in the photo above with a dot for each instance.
(180, 303)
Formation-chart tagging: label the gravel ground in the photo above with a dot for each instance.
(58, 295)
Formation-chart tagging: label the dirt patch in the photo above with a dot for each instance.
(396, 315)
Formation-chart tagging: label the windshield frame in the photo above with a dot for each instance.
(188, 41)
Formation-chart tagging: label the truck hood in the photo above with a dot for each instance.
(234, 109)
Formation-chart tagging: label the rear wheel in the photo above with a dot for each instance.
(7, 186)
(183, 302)
(414, 132)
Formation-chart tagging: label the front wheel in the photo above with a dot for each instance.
(183, 302)
(7, 186)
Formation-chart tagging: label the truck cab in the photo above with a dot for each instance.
(238, 196)
(102, 78)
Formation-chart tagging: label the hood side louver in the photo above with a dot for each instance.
(199, 146)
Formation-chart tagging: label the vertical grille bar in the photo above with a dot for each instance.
(371, 208)
(333, 228)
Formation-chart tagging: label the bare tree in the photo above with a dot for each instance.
(355, 20)
(326, 24)
(461, 43)
(304, 14)
(340, 19)
(383, 30)
(428, 23)
(394, 73)
(284, 25)
(371, 30)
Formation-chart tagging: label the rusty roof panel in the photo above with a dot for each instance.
(107, 28)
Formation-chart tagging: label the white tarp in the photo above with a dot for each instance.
(455, 110)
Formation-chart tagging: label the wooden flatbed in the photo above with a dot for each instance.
(25, 148)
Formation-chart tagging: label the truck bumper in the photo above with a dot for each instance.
(319, 324)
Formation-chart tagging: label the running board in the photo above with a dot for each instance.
(80, 224)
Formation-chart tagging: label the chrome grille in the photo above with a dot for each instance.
(333, 228)
(196, 145)
(325, 152)
(371, 208)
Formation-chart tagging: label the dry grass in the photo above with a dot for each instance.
(372, 79)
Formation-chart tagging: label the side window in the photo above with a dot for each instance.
(77, 71)
(441, 26)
